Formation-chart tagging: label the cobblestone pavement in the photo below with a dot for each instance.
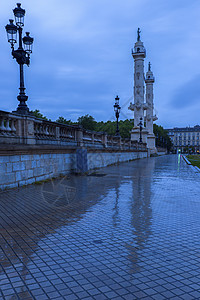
(130, 234)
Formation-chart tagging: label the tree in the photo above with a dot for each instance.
(162, 138)
(62, 120)
(125, 128)
(87, 122)
(39, 115)
(108, 127)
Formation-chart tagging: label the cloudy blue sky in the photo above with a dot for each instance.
(82, 57)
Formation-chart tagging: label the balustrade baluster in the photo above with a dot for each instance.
(2, 127)
(8, 125)
(13, 125)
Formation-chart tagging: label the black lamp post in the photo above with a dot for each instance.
(140, 124)
(157, 139)
(162, 140)
(117, 111)
(22, 55)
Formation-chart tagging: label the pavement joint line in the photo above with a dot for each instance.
(146, 215)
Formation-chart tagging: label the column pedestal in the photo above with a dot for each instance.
(151, 143)
(135, 134)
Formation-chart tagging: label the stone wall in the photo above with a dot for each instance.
(103, 159)
(19, 168)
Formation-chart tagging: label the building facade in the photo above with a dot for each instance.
(185, 140)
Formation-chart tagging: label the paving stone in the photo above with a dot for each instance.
(131, 234)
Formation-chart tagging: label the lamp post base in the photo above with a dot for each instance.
(22, 108)
(117, 134)
(21, 111)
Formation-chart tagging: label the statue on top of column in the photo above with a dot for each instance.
(138, 34)
(149, 67)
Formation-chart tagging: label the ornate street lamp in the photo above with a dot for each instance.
(22, 55)
(117, 111)
(157, 139)
(140, 124)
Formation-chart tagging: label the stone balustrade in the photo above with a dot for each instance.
(16, 129)
(8, 128)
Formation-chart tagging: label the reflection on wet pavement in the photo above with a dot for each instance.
(131, 234)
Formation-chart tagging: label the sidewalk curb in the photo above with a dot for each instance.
(186, 160)
(195, 168)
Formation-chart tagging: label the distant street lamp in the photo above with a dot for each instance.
(117, 111)
(140, 124)
(22, 55)
(157, 139)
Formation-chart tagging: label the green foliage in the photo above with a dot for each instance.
(39, 115)
(125, 128)
(162, 138)
(87, 122)
(194, 159)
(62, 120)
(110, 127)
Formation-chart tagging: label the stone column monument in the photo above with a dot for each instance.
(149, 110)
(139, 53)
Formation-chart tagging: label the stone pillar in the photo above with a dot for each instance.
(57, 133)
(79, 137)
(150, 107)
(29, 132)
(120, 142)
(139, 53)
(92, 138)
(104, 139)
(149, 99)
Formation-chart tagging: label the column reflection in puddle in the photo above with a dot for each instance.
(115, 216)
(141, 213)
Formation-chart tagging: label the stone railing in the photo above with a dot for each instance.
(46, 132)
(9, 128)
(16, 129)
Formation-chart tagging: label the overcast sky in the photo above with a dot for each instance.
(82, 57)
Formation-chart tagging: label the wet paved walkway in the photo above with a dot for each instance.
(131, 234)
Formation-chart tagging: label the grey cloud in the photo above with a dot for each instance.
(188, 94)
(82, 54)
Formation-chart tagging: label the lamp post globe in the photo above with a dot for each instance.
(22, 54)
(11, 30)
(19, 14)
(28, 43)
